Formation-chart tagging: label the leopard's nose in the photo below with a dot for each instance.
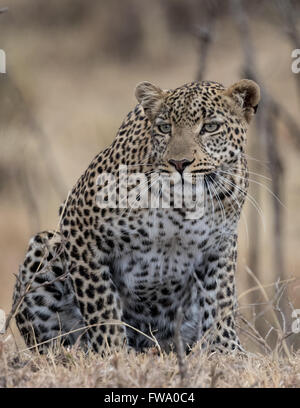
(180, 165)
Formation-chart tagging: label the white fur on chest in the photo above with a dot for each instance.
(169, 251)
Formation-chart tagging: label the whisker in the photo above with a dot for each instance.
(140, 164)
(250, 172)
(254, 158)
(211, 199)
(256, 182)
(218, 198)
(231, 194)
(247, 197)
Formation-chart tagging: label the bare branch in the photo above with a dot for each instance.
(179, 347)
(254, 333)
(41, 138)
(267, 139)
(204, 32)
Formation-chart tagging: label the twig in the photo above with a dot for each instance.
(179, 346)
(42, 139)
(155, 340)
(264, 293)
(249, 70)
(266, 131)
(255, 288)
(204, 32)
(103, 323)
(277, 175)
(214, 374)
(255, 334)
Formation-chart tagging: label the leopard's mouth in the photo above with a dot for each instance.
(210, 177)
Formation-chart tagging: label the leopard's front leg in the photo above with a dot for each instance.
(217, 296)
(100, 304)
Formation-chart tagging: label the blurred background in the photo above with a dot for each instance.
(72, 66)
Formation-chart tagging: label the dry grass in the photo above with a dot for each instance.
(78, 96)
(71, 368)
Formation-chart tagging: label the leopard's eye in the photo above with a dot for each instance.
(164, 128)
(210, 127)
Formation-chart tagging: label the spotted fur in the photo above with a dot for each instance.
(142, 265)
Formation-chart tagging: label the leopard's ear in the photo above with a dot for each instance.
(246, 95)
(150, 97)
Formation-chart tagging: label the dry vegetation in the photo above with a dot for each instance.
(71, 368)
(72, 72)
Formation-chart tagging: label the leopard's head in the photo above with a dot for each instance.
(199, 127)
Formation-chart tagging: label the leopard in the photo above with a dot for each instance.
(120, 272)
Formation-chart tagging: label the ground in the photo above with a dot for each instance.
(71, 368)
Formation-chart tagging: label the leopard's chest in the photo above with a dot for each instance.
(155, 271)
(157, 246)
(153, 283)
